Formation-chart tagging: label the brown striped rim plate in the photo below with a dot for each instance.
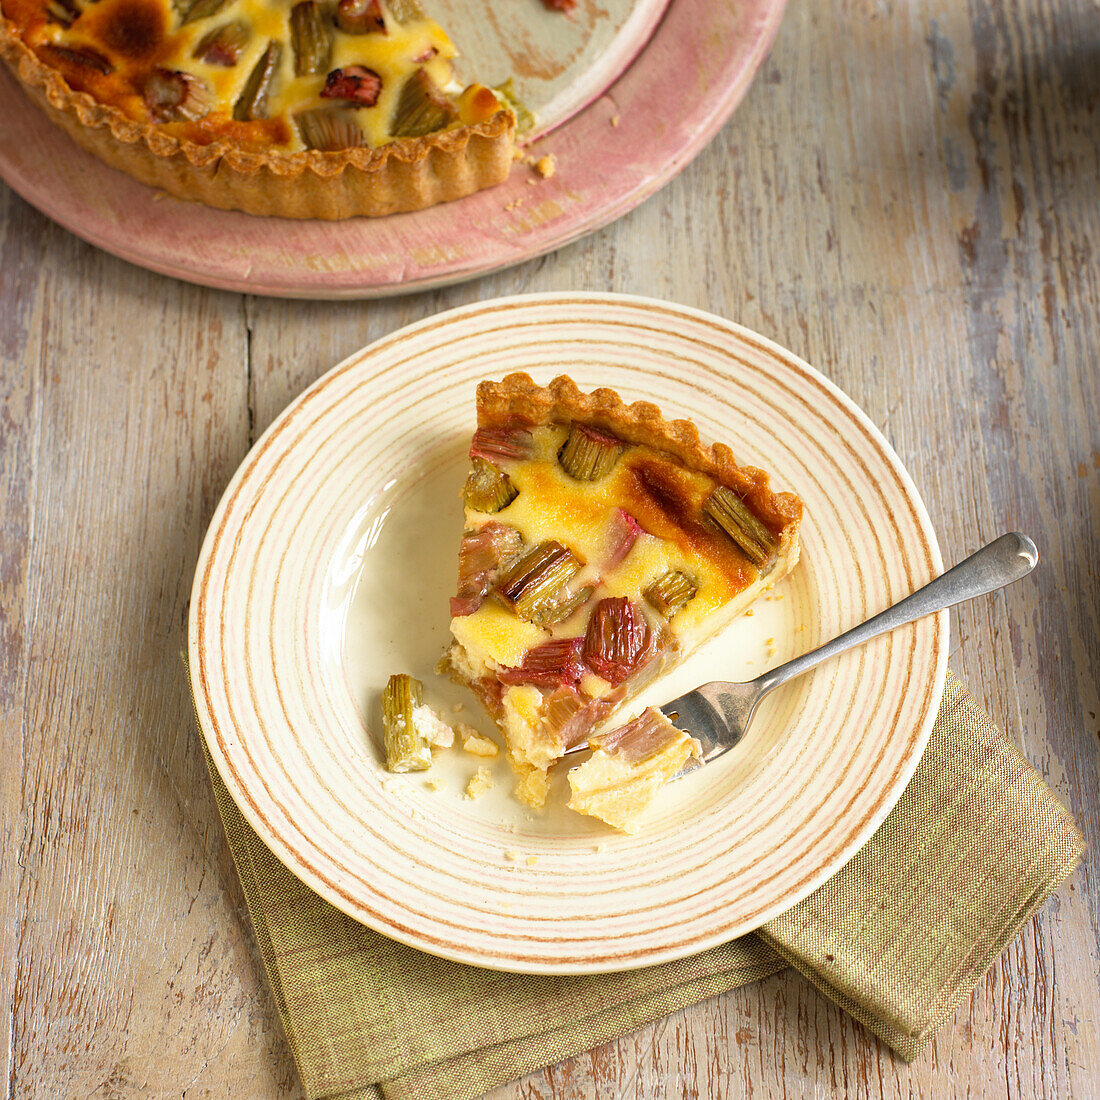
(328, 565)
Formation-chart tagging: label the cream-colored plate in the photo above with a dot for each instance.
(328, 566)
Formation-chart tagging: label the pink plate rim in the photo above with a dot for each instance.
(605, 169)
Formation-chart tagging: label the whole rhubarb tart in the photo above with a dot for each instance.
(315, 109)
(602, 545)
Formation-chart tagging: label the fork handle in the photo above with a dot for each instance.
(1001, 562)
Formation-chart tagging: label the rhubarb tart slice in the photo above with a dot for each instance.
(627, 768)
(602, 544)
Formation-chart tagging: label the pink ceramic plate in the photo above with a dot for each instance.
(668, 104)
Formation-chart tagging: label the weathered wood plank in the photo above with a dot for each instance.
(133, 967)
(22, 285)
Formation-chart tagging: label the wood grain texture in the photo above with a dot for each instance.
(907, 199)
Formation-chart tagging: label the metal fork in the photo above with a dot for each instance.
(718, 713)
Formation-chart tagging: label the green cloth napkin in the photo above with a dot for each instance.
(898, 938)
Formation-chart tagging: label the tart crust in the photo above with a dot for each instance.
(406, 174)
(517, 399)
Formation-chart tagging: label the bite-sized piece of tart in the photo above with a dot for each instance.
(308, 109)
(410, 727)
(628, 767)
(602, 544)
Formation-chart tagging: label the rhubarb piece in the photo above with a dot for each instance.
(619, 781)
(524, 119)
(570, 716)
(354, 83)
(65, 12)
(482, 557)
(556, 609)
(670, 593)
(203, 9)
(488, 488)
(422, 108)
(82, 56)
(174, 96)
(252, 102)
(560, 5)
(494, 444)
(311, 37)
(618, 639)
(623, 532)
(407, 749)
(566, 714)
(223, 45)
(642, 738)
(327, 129)
(360, 17)
(537, 578)
(405, 11)
(589, 454)
(553, 665)
(731, 513)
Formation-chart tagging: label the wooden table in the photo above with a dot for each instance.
(908, 199)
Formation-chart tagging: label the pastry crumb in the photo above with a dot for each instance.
(511, 854)
(476, 745)
(532, 860)
(749, 612)
(479, 783)
(615, 120)
(434, 784)
(458, 708)
(544, 166)
(436, 732)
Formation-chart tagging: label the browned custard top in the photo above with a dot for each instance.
(259, 73)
